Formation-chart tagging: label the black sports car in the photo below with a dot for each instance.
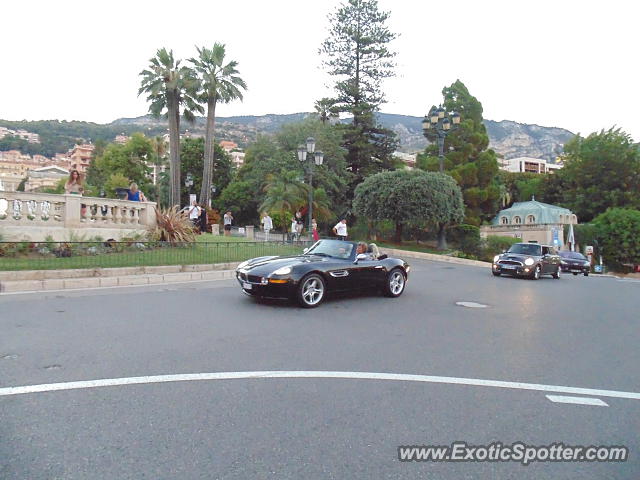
(328, 266)
(575, 263)
(527, 260)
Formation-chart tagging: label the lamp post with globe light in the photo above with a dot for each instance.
(441, 124)
(308, 156)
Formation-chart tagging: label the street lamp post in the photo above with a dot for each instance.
(440, 123)
(307, 162)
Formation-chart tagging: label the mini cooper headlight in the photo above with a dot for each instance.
(587, 264)
(242, 265)
(282, 271)
(496, 258)
(529, 261)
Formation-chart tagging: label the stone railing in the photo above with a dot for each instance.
(32, 215)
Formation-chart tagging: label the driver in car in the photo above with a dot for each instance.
(362, 249)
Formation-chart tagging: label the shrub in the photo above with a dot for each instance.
(173, 227)
(494, 244)
(617, 231)
(467, 237)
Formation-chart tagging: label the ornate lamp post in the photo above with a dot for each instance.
(307, 162)
(440, 123)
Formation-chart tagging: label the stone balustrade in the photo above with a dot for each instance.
(35, 216)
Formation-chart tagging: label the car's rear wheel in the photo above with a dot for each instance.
(575, 273)
(395, 283)
(311, 291)
(536, 273)
(557, 274)
(586, 274)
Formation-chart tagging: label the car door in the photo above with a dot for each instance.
(367, 274)
(340, 275)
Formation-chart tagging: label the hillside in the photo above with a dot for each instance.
(508, 138)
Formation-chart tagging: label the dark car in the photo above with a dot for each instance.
(527, 260)
(328, 266)
(575, 263)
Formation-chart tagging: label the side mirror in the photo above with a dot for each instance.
(360, 256)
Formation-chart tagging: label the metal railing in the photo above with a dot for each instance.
(65, 255)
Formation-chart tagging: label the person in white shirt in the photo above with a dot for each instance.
(341, 229)
(294, 230)
(194, 213)
(267, 226)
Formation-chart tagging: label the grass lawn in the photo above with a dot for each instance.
(205, 250)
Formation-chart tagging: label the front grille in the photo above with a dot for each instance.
(509, 262)
(255, 279)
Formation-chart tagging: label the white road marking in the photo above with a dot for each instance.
(189, 377)
(577, 400)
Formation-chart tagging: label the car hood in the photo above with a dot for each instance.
(273, 263)
(515, 256)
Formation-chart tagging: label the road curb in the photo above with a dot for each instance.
(108, 278)
(394, 252)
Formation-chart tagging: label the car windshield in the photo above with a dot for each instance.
(332, 248)
(573, 255)
(525, 249)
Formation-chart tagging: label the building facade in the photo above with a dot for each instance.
(532, 221)
(528, 165)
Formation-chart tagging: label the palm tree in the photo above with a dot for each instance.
(285, 193)
(170, 86)
(218, 82)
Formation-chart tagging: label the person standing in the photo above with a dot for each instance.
(314, 228)
(135, 195)
(203, 220)
(294, 229)
(267, 226)
(341, 229)
(74, 184)
(228, 220)
(194, 214)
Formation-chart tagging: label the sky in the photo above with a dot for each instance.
(563, 63)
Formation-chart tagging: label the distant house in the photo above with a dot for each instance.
(227, 145)
(45, 177)
(531, 221)
(528, 165)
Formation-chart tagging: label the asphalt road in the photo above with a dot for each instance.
(572, 332)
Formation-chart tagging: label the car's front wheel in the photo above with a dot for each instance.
(586, 274)
(536, 273)
(396, 280)
(311, 291)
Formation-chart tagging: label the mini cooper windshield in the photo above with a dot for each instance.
(525, 249)
(331, 248)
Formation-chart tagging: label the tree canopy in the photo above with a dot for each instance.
(467, 156)
(410, 196)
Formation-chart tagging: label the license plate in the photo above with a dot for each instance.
(508, 267)
(576, 270)
(246, 286)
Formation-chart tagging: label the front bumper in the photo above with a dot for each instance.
(514, 270)
(263, 288)
(575, 268)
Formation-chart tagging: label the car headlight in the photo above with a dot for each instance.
(242, 265)
(496, 258)
(563, 262)
(529, 261)
(587, 264)
(282, 271)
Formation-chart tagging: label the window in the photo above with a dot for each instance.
(504, 220)
(531, 219)
(517, 220)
